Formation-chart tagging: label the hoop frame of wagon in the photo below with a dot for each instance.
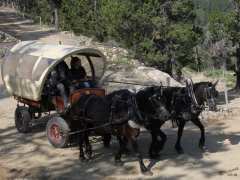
(25, 70)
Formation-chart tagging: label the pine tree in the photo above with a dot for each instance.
(234, 33)
(157, 31)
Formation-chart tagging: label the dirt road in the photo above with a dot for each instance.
(30, 156)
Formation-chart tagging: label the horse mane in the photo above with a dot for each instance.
(206, 83)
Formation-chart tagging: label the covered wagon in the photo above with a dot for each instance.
(25, 72)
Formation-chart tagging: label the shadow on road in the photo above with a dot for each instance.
(13, 143)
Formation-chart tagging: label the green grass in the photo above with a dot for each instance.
(218, 74)
(188, 70)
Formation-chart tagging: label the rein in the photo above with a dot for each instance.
(206, 92)
(191, 93)
(136, 108)
(109, 124)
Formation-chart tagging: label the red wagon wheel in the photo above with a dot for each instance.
(58, 132)
(55, 133)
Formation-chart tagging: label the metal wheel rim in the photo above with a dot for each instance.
(55, 133)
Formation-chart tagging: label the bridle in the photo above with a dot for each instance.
(194, 103)
(209, 96)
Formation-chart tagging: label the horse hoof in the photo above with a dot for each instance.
(203, 148)
(119, 163)
(82, 159)
(89, 157)
(147, 173)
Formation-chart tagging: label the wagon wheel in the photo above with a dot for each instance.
(22, 119)
(58, 132)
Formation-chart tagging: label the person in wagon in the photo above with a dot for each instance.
(78, 75)
(58, 82)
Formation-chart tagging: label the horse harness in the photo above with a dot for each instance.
(111, 123)
(208, 96)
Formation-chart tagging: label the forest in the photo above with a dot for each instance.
(167, 34)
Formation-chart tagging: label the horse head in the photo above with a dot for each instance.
(206, 92)
(211, 95)
(159, 102)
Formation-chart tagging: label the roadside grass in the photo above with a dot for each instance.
(215, 74)
(218, 74)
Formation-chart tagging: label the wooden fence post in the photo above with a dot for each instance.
(40, 21)
(225, 87)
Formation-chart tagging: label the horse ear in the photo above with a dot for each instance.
(215, 83)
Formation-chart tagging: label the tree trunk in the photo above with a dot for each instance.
(95, 5)
(56, 22)
(169, 67)
(238, 69)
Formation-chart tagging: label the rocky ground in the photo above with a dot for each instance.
(29, 156)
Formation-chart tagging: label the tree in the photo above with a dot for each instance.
(233, 26)
(159, 32)
(81, 17)
(219, 38)
(224, 27)
(56, 4)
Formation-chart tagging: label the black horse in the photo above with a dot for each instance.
(151, 105)
(111, 115)
(186, 106)
(204, 92)
(181, 104)
(83, 118)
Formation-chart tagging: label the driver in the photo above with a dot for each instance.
(58, 83)
(77, 71)
(78, 75)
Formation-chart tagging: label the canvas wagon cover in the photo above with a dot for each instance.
(25, 68)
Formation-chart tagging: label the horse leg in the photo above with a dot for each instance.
(106, 140)
(198, 123)
(163, 139)
(178, 146)
(88, 146)
(156, 145)
(81, 151)
(118, 156)
(125, 148)
(153, 153)
(143, 168)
